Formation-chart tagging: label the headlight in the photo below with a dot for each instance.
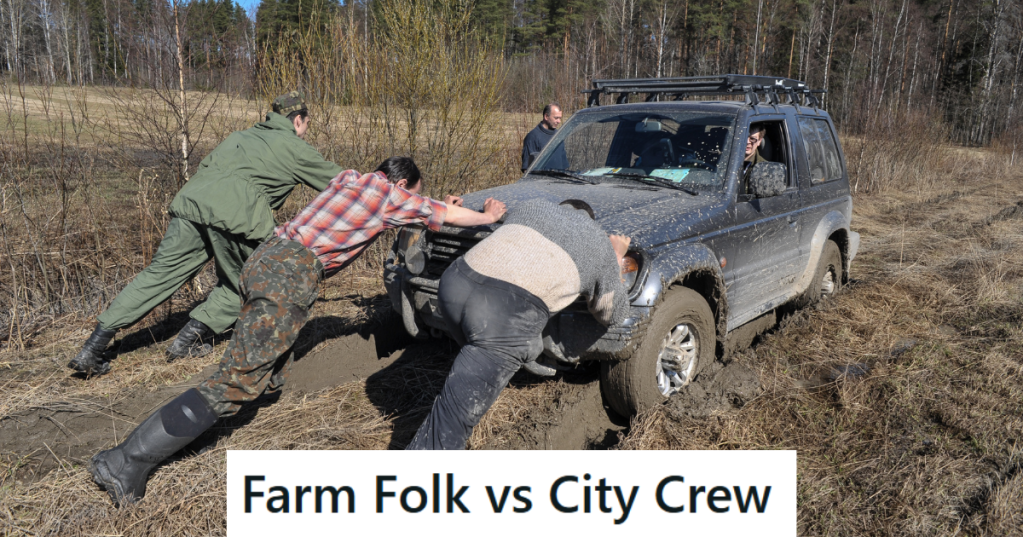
(630, 269)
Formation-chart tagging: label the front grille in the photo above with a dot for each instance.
(446, 246)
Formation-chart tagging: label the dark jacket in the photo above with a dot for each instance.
(534, 143)
(250, 174)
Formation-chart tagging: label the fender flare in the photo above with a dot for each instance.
(832, 222)
(694, 266)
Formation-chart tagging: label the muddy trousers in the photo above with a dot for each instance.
(185, 248)
(279, 284)
(499, 326)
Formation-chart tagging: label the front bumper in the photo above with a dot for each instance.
(570, 336)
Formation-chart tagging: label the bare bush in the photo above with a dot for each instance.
(427, 87)
(902, 151)
(45, 208)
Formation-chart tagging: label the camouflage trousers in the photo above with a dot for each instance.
(279, 283)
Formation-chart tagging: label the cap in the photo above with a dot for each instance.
(292, 101)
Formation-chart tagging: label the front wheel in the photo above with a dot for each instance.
(679, 342)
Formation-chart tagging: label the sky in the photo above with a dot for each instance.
(249, 5)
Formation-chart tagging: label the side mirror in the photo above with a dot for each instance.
(767, 179)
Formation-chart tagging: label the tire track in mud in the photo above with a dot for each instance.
(69, 433)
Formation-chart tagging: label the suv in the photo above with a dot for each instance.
(716, 242)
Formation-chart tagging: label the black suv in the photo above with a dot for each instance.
(716, 241)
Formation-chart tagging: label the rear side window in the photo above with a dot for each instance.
(821, 150)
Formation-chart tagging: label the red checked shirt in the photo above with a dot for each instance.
(352, 211)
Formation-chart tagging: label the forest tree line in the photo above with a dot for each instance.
(954, 61)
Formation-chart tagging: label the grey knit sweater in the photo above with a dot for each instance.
(556, 253)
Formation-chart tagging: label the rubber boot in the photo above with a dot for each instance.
(124, 470)
(195, 339)
(92, 360)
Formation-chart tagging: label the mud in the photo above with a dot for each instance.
(347, 359)
(576, 418)
(721, 387)
(68, 433)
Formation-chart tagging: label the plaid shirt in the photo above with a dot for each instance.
(352, 211)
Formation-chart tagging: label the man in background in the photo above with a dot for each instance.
(538, 138)
(224, 212)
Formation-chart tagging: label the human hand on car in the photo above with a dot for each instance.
(620, 243)
(453, 200)
(494, 208)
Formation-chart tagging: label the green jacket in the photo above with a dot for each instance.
(248, 175)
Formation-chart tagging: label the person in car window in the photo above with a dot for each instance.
(753, 156)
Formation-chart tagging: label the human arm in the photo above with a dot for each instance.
(459, 216)
(609, 299)
(620, 245)
(312, 169)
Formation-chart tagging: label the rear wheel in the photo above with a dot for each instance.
(679, 343)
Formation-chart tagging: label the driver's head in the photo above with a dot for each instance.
(552, 116)
(756, 137)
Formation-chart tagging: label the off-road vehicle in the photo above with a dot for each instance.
(716, 242)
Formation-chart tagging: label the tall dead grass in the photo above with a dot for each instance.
(910, 152)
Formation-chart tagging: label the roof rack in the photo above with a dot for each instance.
(773, 90)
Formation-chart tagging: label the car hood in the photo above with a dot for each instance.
(650, 215)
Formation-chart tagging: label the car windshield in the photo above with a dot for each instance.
(684, 149)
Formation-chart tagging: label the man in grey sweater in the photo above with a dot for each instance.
(498, 297)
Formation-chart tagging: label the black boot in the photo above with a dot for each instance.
(92, 359)
(123, 470)
(195, 339)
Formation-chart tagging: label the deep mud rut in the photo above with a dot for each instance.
(70, 432)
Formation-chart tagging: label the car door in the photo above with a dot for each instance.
(765, 236)
(827, 187)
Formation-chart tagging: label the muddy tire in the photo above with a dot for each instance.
(827, 279)
(679, 342)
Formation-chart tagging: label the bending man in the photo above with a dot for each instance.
(497, 298)
(279, 284)
(224, 213)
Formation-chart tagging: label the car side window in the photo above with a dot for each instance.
(832, 164)
(821, 151)
(774, 147)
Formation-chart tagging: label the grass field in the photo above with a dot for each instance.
(926, 442)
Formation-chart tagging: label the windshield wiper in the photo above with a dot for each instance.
(563, 174)
(659, 180)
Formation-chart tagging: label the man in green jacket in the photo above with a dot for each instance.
(224, 213)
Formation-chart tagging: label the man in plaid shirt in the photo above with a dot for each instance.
(279, 283)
